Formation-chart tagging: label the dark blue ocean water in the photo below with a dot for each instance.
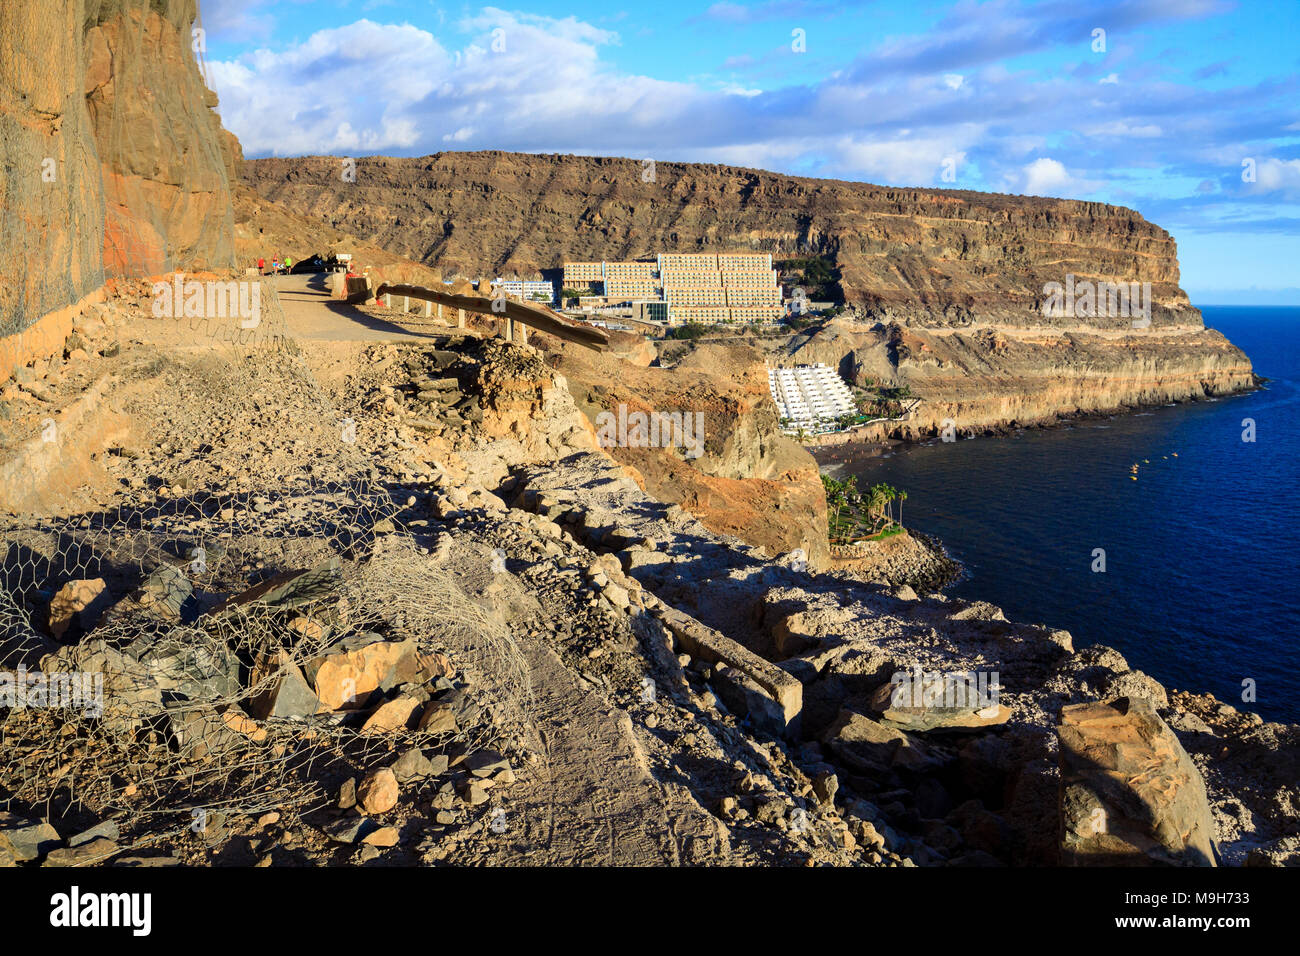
(1202, 551)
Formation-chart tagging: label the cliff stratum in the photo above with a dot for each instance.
(115, 163)
(989, 377)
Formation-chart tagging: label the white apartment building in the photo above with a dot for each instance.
(528, 290)
(809, 396)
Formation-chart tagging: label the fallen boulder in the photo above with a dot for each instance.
(281, 689)
(82, 602)
(351, 670)
(1130, 795)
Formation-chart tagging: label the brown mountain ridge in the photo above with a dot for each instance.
(939, 256)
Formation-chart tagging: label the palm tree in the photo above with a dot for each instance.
(902, 496)
(835, 498)
(875, 505)
(878, 504)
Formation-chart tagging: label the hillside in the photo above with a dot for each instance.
(938, 257)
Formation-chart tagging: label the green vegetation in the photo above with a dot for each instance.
(854, 516)
(688, 332)
(816, 275)
(882, 401)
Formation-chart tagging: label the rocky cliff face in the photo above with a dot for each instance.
(988, 376)
(946, 288)
(939, 257)
(167, 163)
(113, 160)
(50, 188)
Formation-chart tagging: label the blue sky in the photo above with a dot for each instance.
(1186, 110)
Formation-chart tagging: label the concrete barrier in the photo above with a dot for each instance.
(703, 642)
(534, 316)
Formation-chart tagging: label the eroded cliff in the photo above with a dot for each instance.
(987, 376)
(115, 163)
(744, 478)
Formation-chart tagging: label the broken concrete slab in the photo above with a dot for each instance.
(709, 645)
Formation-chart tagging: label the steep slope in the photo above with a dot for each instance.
(744, 479)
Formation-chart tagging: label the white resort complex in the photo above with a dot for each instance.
(811, 397)
(684, 288)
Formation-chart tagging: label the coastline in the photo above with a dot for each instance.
(912, 560)
(878, 445)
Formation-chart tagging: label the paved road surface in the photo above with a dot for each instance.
(310, 313)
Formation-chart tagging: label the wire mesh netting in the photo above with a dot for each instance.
(243, 626)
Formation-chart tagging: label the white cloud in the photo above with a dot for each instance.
(537, 84)
(1049, 177)
(1273, 175)
(1111, 78)
(386, 87)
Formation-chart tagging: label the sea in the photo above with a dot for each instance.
(1190, 571)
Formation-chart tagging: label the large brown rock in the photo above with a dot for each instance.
(347, 675)
(378, 792)
(1130, 795)
(77, 601)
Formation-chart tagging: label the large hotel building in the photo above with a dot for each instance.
(680, 288)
